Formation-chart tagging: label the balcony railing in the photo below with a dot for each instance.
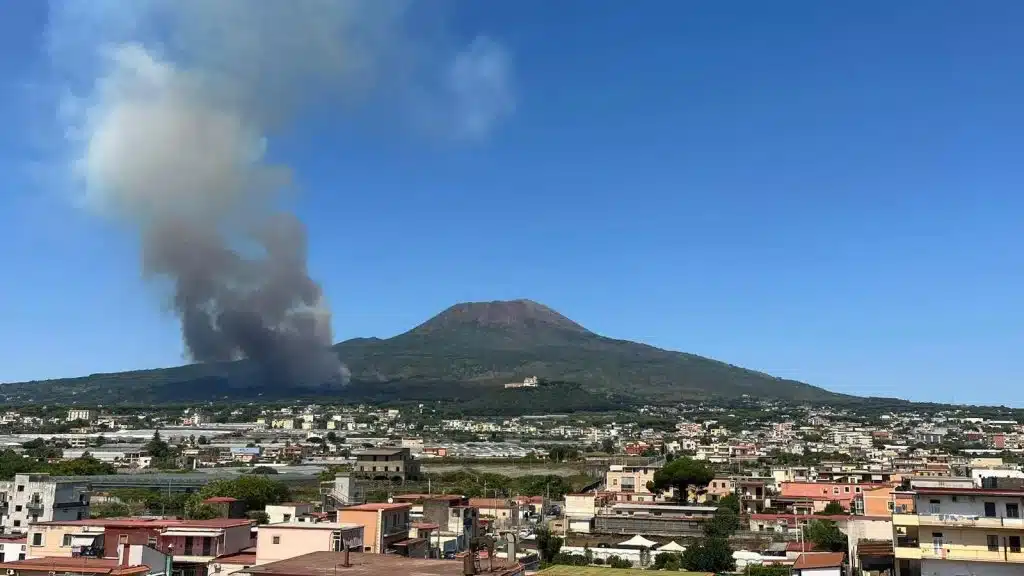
(907, 542)
(34, 504)
(962, 520)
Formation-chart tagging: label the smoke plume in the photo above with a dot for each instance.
(171, 136)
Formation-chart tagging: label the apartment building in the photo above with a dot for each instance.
(192, 544)
(81, 414)
(630, 479)
(393, 463)
(957, 531)
(812, 497)
(653, 519)
(384, 524)
(291, 539)
(31, 498)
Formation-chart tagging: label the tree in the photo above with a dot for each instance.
(833, 508)
(680, 475)
(255, 490)
(768, 570)
(730, 501)
(264, 470)
(608, 446)
(723, 524)
(109, 510)
(668, 561)
(548, 546)
(157, 448)
(259, 516)
(826, 535)
(709, 555)
(203, 440)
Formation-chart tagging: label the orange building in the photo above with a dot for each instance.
(384, 525)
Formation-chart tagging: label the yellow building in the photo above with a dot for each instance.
(961, 531)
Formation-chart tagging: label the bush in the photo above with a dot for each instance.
(598, 561)
(616, 562)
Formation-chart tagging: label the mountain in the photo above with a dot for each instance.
(507, 341)
(465, 353)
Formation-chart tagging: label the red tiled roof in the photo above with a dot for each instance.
(813, 560)
(245, 558)
(156, 523)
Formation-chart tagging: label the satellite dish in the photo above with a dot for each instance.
(391, 500)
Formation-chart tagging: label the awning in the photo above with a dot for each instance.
(672, 547)
(84, 539)
(639, 541)
(201, 534)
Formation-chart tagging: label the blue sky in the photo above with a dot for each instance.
(823, 191)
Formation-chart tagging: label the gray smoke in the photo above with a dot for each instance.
(173, 135)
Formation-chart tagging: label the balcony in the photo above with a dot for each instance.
(905, 520)
(34, 505)
(963, 521)
(969, 553)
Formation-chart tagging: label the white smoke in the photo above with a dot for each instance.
(182, 97)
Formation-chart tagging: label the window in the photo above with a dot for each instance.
(277, 539)
(835, 490)
(846, 489)
(933, 506)
(17, 508)
(1015, 544)
(122, 539)
(891, 506)
(67, 540)
(287, 517)
(37, 539)
(17, 523)
(1013, 511)
(990, 509)
(151, 542)
(993, 542)
(21, 488)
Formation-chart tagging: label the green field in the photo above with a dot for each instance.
(562, 570)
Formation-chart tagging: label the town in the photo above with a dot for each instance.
(759, 487)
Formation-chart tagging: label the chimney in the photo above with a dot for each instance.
(469, 564)
(344, 557)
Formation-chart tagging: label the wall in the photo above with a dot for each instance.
(967, 505)
(580, 506)
(821, 572)
(371, 529)
(277, 513)
(237, 538)
(11, 551)
(946, 568)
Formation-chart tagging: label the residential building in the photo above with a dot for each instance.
(290, 539)
(81, 414)
(384, 524)
(13, 547)
(393, 463)
(328, 563)
(956, 531)
(31, 498)
(719, 487)
(192, 544)
(629, 479)
(652, 519)
(503, 511)
(288, 512)
(812, 497)
(458, 523)
(580, 510)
